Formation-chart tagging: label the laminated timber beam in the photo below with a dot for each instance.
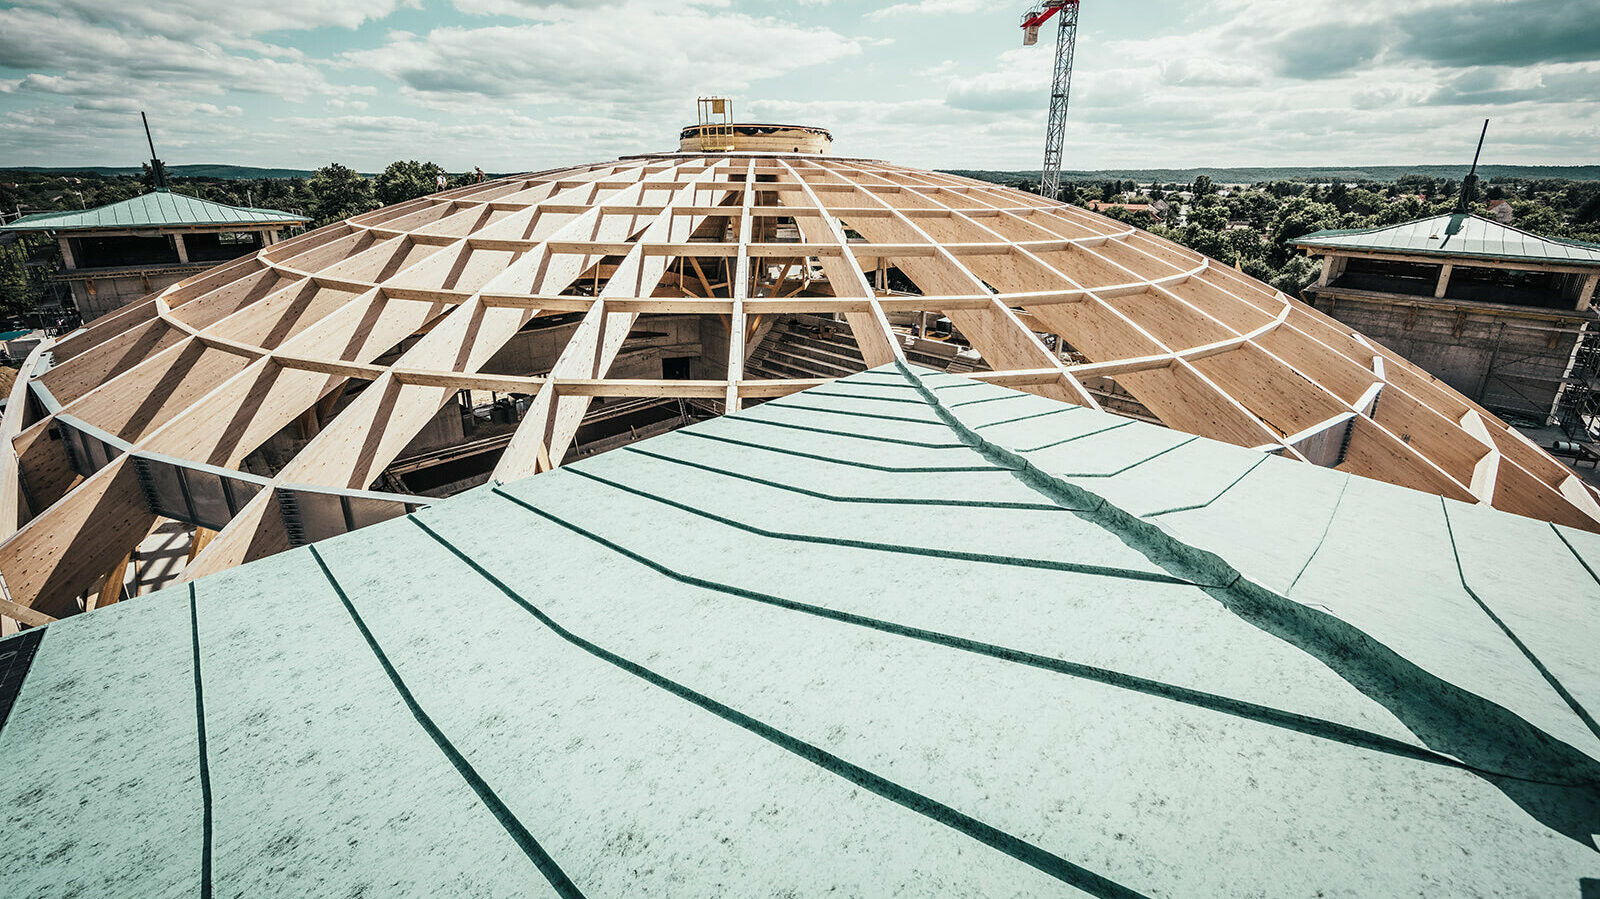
(740, 293)
(994, 330)
(870, 326)
(375, 428)
(545, 434)
(207, 370)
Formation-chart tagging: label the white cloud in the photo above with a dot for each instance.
(106, 61)
(558, 9)
(219, 22)
(935, 8)
(602, 56)
(519, 84)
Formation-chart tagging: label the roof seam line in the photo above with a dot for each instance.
(1016, 847)
(1130, 466)
(1262, 714)
(1574, 550)
(1443, 715)
(930, 469)
(817, 391)
(1327, 528)
(1054, 444)
(1234, 483)
(1013, 561)
(206, 831)
(514, 828)
(996, 424)
(915, 421)
(884, 500)
(876, 439)
(989, 399)
(1527, 653)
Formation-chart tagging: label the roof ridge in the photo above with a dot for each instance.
(154, 208)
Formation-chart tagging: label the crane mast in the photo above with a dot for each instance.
(1060, 82)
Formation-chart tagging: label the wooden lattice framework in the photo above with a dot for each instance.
(206, 371)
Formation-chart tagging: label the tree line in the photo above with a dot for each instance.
(1249, 226)
(332, 193)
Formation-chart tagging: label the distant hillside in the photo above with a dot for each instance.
(1308, 173)
(222, 172)
(1237, 175)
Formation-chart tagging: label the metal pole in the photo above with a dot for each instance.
(1469, 184)
(155, 164)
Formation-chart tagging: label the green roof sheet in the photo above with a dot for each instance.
(905, 634)
(158, 209)
(1457, 235)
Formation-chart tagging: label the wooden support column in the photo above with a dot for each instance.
(183, 251)
(1586, 293)
(1332, 267)
(111, 591)
(1444, 280)
(68, 261)
(741, 292)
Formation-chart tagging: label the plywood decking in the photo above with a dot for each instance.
(889, 662)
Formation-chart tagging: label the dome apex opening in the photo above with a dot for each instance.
(754, 137)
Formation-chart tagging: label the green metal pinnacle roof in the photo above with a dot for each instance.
(906, 634)
(157, 209)
(1457, 235)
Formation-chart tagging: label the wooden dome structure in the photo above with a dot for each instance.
(360, 332)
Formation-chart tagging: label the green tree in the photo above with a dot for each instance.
(1296, 275)
(1297, 217)
(338, 193)
(1538, 218)
(407, 180)
(149, 177)
(1339, 196)
(1202, 186)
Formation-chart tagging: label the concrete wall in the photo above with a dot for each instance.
(111, 294)
(1504, 362)
(444, 429)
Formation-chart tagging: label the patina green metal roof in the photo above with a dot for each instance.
(905, 634)
(1456, 235)
(157, 209)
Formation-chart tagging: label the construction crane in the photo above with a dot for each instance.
(1060, 84)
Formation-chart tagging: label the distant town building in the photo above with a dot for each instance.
(112, 255)
(1500, 211)
(1152, 208)
(1490, 310)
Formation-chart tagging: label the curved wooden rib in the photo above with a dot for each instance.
(209, 369)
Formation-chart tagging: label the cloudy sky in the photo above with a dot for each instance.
(530, 84)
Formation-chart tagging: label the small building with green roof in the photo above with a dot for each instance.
(114, 254)
(1493, 311)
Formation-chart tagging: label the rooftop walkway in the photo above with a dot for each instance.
(905, 634)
